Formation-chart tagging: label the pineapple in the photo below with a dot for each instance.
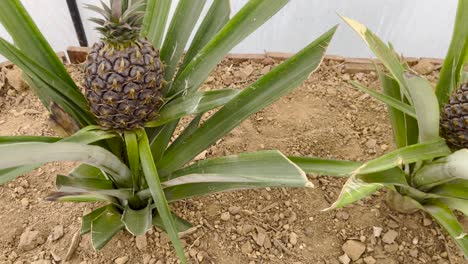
(123, 72)
(455, 118)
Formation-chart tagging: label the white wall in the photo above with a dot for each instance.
(417, 28)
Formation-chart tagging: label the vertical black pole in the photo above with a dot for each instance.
(77, 23)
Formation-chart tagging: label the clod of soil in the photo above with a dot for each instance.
(324, 117)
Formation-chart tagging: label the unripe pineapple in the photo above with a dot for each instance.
(454, 121)
(123, 72)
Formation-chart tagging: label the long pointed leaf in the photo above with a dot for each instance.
(194, 103)
(85, 135)
(192, 127)
(278, 82)
(105, 226)
(88, 219)
(388, 100)
(455, 189)
(87, 171)
(445, 218)
(382, 51)
(254, 166)
(397, 118)
(247, 20)
(182, 24)
(19, 139)
(215, 19)
(341, 168)
(456, 58)
(68, 184)
(426, 107)
(18, 154)
(406, 155)
(243, 171)
(181, 224)
(456, 204)
(360, 186)
(9, 174)
(137, 222)
(154, 23)
(152, 178)
(82, 197)
(133, 157)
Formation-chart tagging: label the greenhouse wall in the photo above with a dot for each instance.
(417, 28)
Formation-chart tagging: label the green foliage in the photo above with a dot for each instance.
(137, 173)
(423, 169)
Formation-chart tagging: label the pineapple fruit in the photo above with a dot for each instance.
(123, 72)
(454, 121)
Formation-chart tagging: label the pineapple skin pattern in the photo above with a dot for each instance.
(123, 85)
(454, 121)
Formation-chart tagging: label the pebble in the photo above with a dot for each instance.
(414, 252)
(392, 224)
(15, 80)
(245, 72)
(246, 248)
(427, 222)
(20, 190)
(265, 69)
(25, 202)
(29, 240)
(390, 236)
(309, 231)
(342, 215)
(345, 77)
(370, 260)
(225, 216)
(193, 252)
(141, 242)
(331, 91)
(391, 248)
(234, 210)
(246, 229)
(13, 255)
(371, 143)
(293, 238)
(11, 92)
(201, 255)
(260, 239)
(424, 67)
(377, 231)
(57, 233)
(354, 249)
(344, 259)
(56, 257)
(292, 218)
(121, 260)
(164, 238)
(147, 258)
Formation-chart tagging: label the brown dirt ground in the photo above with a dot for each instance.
(324, 117)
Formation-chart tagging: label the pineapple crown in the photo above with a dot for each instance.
(122, 21)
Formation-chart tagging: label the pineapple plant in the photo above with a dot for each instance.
(137, 86)
(429, 169)
(123, 72)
